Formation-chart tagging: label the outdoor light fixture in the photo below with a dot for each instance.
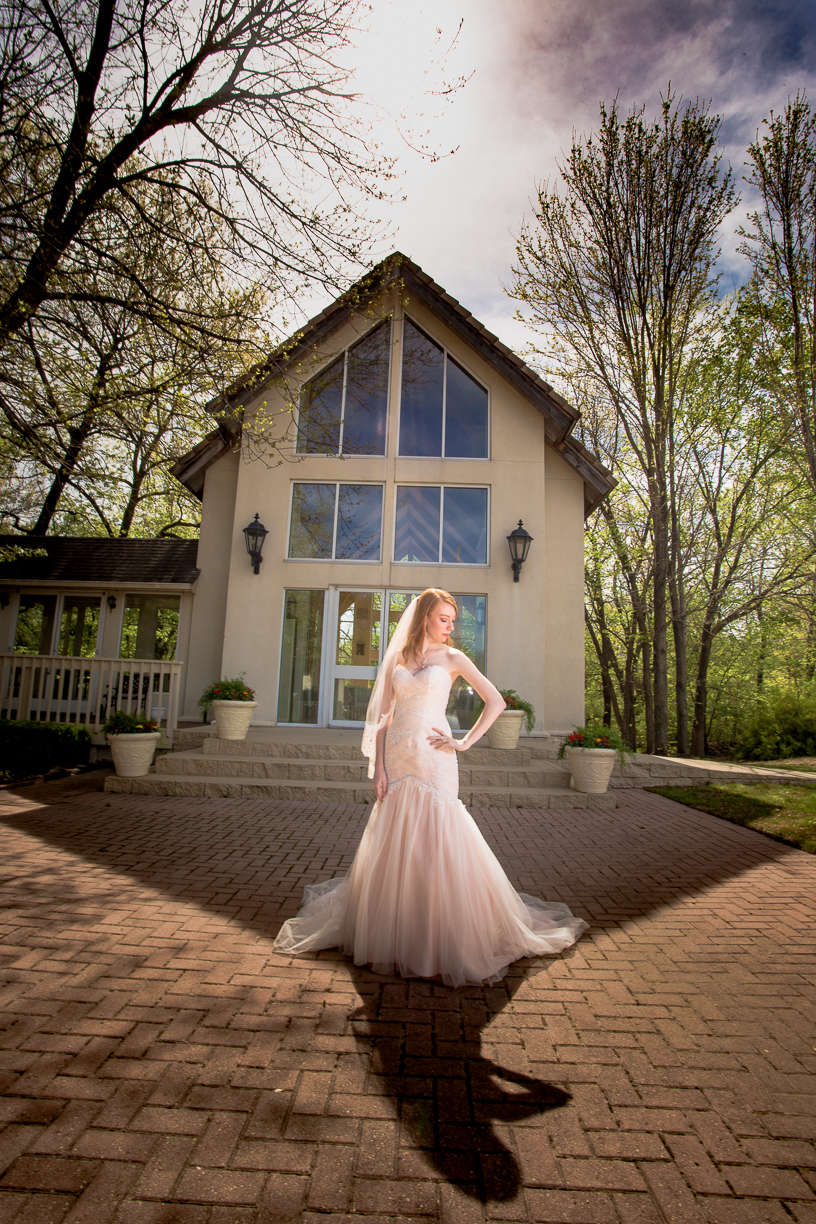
(111, 602)
(4, 599)
(255, 534)
(519, 541)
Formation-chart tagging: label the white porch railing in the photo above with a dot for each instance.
(55, 688)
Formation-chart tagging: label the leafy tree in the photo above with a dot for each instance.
(237, 112)
(619, 269)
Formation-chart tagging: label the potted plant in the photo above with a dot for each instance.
(590, 753)
(505, 731)
(133, 739)
(232, 704)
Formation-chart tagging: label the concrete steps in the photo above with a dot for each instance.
(327, 766)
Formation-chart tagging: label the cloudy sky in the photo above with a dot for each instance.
(538, 70)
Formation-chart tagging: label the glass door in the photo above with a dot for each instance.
(356, 655)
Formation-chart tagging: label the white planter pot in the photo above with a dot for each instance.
(232, 718)
(591, 768)
(133, 751)
(505, 731)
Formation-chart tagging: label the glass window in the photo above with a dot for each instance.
(321, 412)
(344, 409)
(302, 646)
(423, 386)
(468, 636)
(340, 521)
(465, 415)
(311, 533)
(460, 513)
(464, 527)
(359, 522)
(79, 628)
(416, 536)
(443, 411)
(150, 627)
(35, 624)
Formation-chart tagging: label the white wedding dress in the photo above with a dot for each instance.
(425, 896)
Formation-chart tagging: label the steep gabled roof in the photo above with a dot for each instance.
(98, 559)
(559, 416)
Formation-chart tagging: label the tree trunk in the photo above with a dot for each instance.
(65, 471)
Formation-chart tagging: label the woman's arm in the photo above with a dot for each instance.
(380, 780)
(494, 703)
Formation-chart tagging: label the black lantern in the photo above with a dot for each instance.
(255, 534)
(112, 602)
(519, 541)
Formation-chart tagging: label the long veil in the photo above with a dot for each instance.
(376, 714)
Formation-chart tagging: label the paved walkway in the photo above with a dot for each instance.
(159, 1065)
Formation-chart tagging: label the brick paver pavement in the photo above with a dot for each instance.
(160, 1065)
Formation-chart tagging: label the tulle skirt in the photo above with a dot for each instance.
(426, 897)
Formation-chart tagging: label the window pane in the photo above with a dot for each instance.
(320, 408)
(35, 624)
(367, 394)
(358, 629)
(310, 534)
(299, 690)
(422, 386)
(464, 534)
(359, 521)
(150, 627)
(469, 636)
(79, 628)
(397, 604)
(416, 537)
(465, 415)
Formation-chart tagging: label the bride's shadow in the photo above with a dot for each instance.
(452, 1102)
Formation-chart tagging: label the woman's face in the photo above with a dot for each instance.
(439, 625)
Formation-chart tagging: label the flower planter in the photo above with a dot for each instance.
(232, 718)
(132, 752)
(591, 768)
(505, 731)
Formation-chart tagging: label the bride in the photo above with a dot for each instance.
(425, 895)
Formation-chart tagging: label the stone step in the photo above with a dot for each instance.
(305, 751)
(196, 764)
(222, 787)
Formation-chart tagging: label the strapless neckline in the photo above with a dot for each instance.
(427, 667)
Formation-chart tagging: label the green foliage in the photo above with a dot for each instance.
(121, 723)
(31, 748)
(784, 726)
(226, 690)
(595, 735)
(514, 702)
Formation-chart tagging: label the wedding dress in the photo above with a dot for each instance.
(425, 896)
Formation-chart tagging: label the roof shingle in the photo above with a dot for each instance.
(98, 559)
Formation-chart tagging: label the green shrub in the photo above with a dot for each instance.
(31, 748)
(784, 726)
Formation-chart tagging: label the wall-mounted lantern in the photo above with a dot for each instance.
(112, 602)
(255, 534)
(4, 599)
(519, 541)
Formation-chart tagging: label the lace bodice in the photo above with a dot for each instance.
(419, 705)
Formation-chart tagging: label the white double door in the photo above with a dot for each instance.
(360, 624)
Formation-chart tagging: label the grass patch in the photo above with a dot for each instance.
(787, 813)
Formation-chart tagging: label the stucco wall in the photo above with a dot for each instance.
(216, 541)
(534, 627)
